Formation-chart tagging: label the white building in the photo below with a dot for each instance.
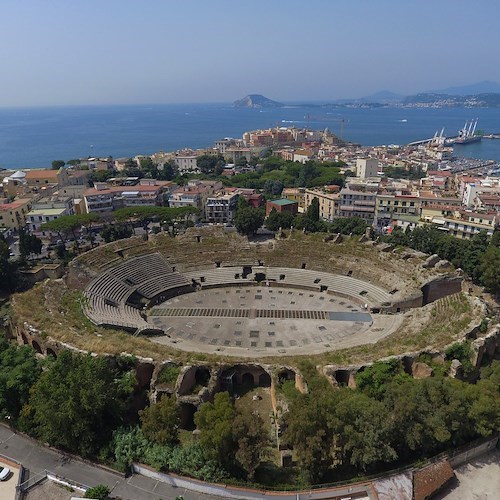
(221, 208)
(186, 164)
(366, 167)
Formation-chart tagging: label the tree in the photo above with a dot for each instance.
(241, 162)
(169, 171)
(64, 225)
(73, 162)
(362, 430)
(100, 176)
(57, 164)
(373, 380)
(312, 212)
(149, 168)
(116, 232)
(275, 220)
(248, 220)
(207, 163)
(251, 439)
(76, 403)
(160, 422)
(8, 270)
(19, 370)
(489, 269)
(28, 244)
(307, 430)
(273, 187)
(215, 421)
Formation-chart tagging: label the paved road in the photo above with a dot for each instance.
(36, 459)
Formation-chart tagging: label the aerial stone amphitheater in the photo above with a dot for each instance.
(225, 311)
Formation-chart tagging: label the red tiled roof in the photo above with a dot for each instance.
(41, 174)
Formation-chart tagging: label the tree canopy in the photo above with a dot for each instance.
(248, 220)
(57, 164)
(76, 403)
(19, 370)
(208, 163)
(215, 421)
(160, 422)
(478, 257)
(8, 270)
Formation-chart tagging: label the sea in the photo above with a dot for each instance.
(33, 137)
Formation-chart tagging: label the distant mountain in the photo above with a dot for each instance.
(256, 101)
(484, 87)
(384, 96)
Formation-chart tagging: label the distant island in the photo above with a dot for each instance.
(256, 101)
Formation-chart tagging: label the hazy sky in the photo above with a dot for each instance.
(166, 51)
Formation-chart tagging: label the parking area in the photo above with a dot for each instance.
(8, 486)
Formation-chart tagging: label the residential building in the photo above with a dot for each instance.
(302, 155)
(47, 209)
(195, 194)
(282, 205)
(221, 207)
(101, 163)
(295, 194)
(465, 224)
(104, 198)
(13, 214)
(223, 144)
(186, 163)
(329, 202)
(366, 167)
(45, 176)
(358, 201)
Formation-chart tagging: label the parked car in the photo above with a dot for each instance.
(4, 473)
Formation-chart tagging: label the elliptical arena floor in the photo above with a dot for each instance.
(257, 321)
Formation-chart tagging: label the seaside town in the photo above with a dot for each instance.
(386, 186)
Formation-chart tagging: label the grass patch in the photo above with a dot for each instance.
(168, 375)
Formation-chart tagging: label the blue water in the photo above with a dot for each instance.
(33, 137)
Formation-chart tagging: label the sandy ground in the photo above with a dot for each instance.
(8, 487)
(476, 480)
(49, 490)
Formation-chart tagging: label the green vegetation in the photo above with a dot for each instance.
(461, 351)
(114, 232)
(160, 422)
(478, 257)
(391, 419)
(28, 244)
(210, 164)
(275, 220)
(76, 403)
(215, 421)
(168, 375)
(374, 379)
(57, 164)
(99, 492)
(8, 270)
(412, 173)
(19, 369)
(289, 174)
(248, 220)
(82, 404)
